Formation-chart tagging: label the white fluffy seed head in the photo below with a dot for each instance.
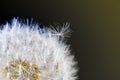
(34, 53)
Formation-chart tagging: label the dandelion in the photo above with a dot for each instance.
(28, 52)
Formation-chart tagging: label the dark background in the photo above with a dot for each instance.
(95, 25)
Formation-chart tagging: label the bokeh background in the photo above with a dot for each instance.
(95, 25)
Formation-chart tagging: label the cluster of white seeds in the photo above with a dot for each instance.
(31, 53)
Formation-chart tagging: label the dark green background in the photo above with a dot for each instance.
(95, 25)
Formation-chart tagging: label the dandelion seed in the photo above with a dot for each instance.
(34, 54)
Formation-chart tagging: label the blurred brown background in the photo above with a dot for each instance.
(95, 25)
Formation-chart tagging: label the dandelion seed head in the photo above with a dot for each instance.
(29, 53)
